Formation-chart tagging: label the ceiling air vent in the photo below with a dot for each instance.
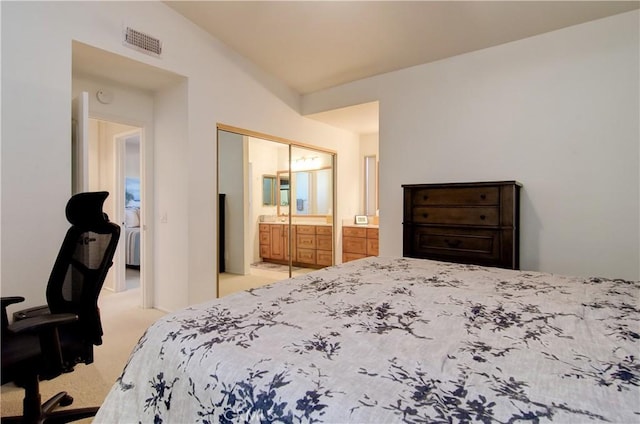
(142, 42)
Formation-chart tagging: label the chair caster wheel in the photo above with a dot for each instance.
(66, 400)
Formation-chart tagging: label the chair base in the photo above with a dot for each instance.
(57, 417)
(34, 413)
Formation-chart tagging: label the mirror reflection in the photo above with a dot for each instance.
(311, 191)
(275, 205)
(283, 190)
(268, 190)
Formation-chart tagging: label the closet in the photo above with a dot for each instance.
(277, 198)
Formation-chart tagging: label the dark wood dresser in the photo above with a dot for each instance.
(473, 223)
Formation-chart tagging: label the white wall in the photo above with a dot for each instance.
(219, 87)
(558, 112)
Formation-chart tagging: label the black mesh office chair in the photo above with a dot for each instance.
(45, 341)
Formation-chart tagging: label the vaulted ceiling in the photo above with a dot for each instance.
(314, 45)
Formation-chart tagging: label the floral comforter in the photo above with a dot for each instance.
(383, 340)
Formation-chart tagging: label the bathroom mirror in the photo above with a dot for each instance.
(269, 190)
(307, 192)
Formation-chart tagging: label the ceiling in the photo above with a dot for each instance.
(313, 45)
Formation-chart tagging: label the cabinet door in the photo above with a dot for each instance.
(372, 247)
(324, 243)
(277, 244)
(287, 248)
(372, 242)
(324, 257)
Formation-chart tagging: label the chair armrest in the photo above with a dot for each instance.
(42, 322)
(46, 327)
(31, 312)
(9, 300)
(6, 301)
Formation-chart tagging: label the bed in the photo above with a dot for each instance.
(393, 340)
(132, 237)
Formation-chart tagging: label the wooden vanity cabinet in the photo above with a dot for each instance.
(359, 242)
(312, 245)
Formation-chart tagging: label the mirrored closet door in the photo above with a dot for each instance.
(275, 205)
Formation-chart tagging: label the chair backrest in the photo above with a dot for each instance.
(80, 269)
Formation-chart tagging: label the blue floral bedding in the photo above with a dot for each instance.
(383, 340)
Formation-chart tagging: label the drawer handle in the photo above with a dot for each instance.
(483, 196)
(452, 243)
(425, 215)
(482, 217)
(425, 197)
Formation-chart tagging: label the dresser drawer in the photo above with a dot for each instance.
(354, 245)
(306, 241)
(456, 216)
(324, 230)
(480, 245)
(305, 229)
(324, 257)
(354, 232)
(307, 256)
(324, 242)
(457, 196)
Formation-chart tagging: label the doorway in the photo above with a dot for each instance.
(115, 165)
(128, 183)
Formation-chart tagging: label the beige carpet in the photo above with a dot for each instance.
(259, 276)
(124, 322)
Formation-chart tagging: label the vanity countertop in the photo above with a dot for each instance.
(316, 223)
(361, 225)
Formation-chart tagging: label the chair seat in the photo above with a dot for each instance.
(19, 352)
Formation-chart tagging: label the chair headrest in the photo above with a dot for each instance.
(85, 209)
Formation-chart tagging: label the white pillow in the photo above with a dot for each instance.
(132, 218)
